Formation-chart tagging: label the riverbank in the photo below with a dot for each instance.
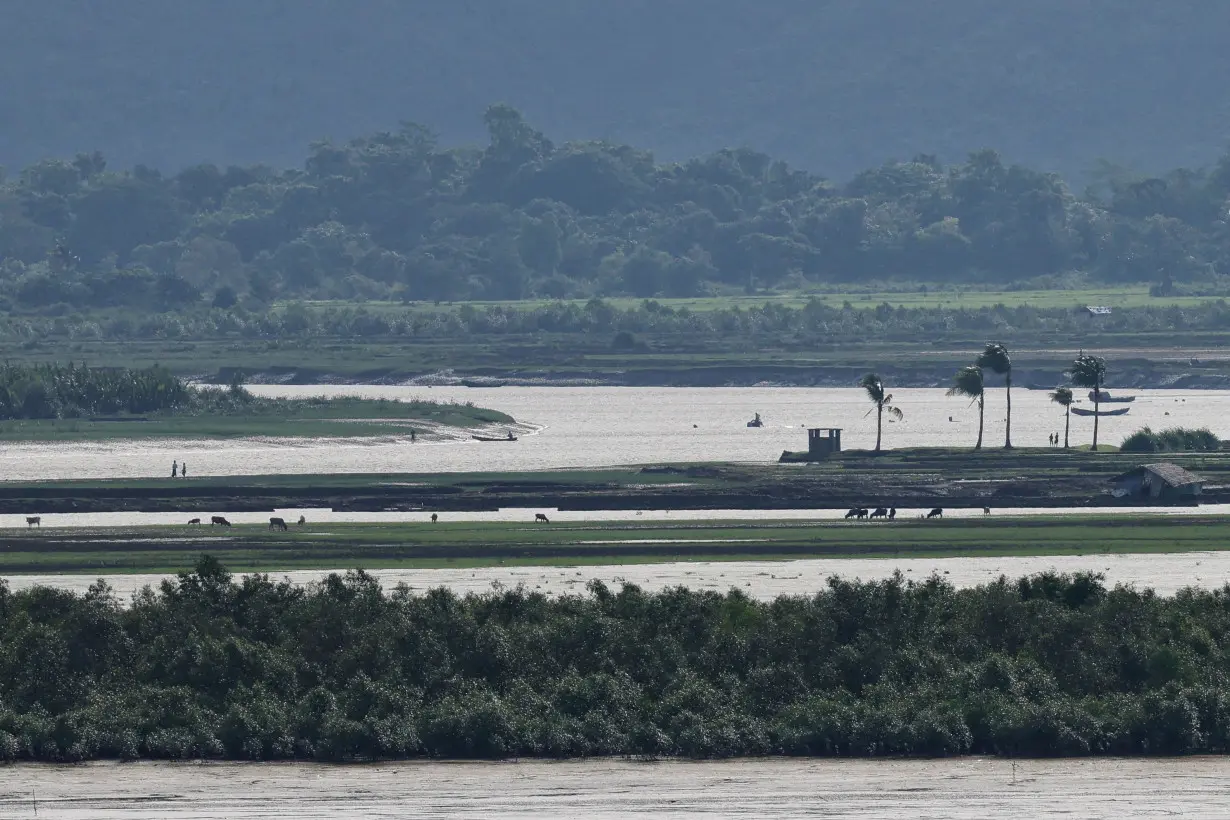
(919, 478)
(432, 545)
(966, 788)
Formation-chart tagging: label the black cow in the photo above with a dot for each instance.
(278, 523)
(936, 513)
(219, 520)
(880, 512)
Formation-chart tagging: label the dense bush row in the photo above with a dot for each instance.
(55, 391)
(395, 215)
(1173, 440)
(209, 667)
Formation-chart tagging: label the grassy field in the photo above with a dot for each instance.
(1121, 297)
(377, 546)
(308, 418)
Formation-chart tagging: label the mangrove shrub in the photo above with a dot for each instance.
(208, 666)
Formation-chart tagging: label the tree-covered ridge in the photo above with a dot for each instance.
(396, 215)
(206, 666)
(832, 85)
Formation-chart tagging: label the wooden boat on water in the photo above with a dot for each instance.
(1081, 411)
(509, 437)
(1107, 398)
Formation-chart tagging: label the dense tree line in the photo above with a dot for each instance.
(811, 323)
(396, 215)
(206, 666)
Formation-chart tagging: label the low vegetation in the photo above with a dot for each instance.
(1174, 440)
(55, 401)
(208, 667)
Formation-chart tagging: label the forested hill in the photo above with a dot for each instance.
(830, 85)
(399, 215)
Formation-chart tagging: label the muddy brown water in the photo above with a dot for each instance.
(1193, 788)
(1164, 573)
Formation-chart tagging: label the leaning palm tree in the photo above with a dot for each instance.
(1063, 397)
(996, 359)
(968, 383)
(883, 401)
(1090, 371)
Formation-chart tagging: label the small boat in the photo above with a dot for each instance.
(509, 437)
(756, 422)
(1081, 411)
(1107, 398)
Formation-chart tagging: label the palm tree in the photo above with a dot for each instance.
(1090, 371)
(968, 382)
(875, 391)
(1063, 397)
(996, 359)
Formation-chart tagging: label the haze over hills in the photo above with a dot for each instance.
(829, 85)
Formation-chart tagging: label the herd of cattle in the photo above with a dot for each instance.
(890, 513)
(277, 523)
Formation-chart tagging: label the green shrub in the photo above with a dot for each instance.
(1174, 440)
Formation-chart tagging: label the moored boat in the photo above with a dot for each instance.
(1081, 411)
(1107, 398)
(509, 437)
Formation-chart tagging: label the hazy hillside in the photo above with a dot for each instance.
(831, 85)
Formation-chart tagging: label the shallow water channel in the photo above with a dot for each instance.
(1164, 573)
(1193, 788)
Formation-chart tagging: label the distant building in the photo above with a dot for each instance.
(1158, 481)
(823, 441)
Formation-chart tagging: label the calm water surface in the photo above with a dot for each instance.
(1193, 788)
(585, 427)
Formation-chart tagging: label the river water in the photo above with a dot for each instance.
(585, 427)
(1192, 788)
(1164, 573)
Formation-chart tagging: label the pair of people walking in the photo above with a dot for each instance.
(178, 469)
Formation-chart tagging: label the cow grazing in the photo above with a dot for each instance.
(986, 510)
(540, 517)
(192, 521)
(219, 520)
(853, 512)
(34, 521)
(862, 513)
(277, 523)
(880, 512)
(936, 513)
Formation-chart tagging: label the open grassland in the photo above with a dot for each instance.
(923, 297)
(402, 545)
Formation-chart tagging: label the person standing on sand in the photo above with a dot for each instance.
(174, 469)
(183, 470)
